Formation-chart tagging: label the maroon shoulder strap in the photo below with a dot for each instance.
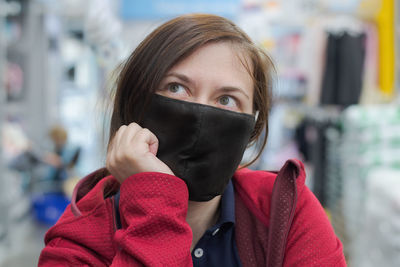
(251, 236)
(283, 205)
(259, 245)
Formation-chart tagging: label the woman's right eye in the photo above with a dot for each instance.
(175, 88)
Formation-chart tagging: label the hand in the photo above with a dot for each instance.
(133, 150)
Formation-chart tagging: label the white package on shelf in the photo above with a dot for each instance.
(364, 182)
(378, 242)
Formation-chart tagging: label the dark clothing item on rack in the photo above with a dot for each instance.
(318, 155)
(342, 79)
(301, 140)
(312, 141)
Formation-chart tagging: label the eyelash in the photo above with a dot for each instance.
(230, 97)
(233, 98)
(169, 85)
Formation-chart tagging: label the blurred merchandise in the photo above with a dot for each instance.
(363, 183)
(14, 140)
(312, 136)
(342, 80)
(104, 33)
(380, 236)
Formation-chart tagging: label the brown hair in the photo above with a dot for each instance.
(169, 44)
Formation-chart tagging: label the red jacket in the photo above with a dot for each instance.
(278, 222)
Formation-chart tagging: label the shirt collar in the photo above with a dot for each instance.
(227, 206)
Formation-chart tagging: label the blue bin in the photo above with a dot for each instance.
(48, 208)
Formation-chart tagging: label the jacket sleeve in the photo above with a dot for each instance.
(312, 240)
(154, 230)
(64, 252)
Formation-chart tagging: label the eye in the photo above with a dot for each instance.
(175, 88)
(228, 102)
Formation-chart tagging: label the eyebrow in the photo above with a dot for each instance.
(227, 89)
(182, 77)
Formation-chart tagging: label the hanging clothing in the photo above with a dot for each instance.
(312, 140)
(343, 74)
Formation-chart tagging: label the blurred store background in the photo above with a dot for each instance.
(336, 106)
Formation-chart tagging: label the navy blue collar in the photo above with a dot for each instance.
(227, 207)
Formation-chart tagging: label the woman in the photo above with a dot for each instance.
(189, 100)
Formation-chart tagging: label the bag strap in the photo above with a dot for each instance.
(251, 235)
(283, 205)
(261, 244)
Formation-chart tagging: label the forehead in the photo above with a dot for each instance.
(224, 61)
(223, 50)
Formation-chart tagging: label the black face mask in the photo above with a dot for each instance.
(202, 145)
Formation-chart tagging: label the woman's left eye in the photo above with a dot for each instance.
(227, 101)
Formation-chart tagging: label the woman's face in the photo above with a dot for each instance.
(213, 75)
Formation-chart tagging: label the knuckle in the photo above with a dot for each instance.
(146, 131)
(134, 125)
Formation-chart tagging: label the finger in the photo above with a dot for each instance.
(147, 140)
(125, 133)
(118, 135)
(111, 144)
(128, 135)
(125, 147)
(113, 147)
